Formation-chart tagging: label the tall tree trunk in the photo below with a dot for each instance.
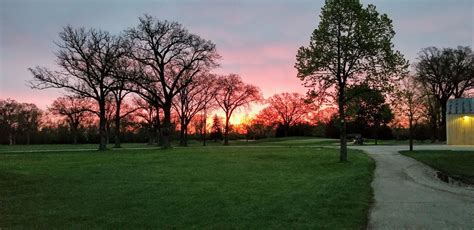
(182, 132)
(442, 127)
(74, 136)
(107, 128)
(376, 134)
(204, 128)
(410, 131)
(10, 138)
(286, 129)
(166, 128)
(157, 127)
(434, 123)
(151, 135)
(117, 127)
(102, 126)
(73, 128)
(343, 126)
(28, 137)
(186, 135)
(226, 130)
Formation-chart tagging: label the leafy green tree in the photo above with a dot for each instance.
(351, 45)
(367, 107)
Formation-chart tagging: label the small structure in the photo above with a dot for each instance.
(460, 121)
(356, 138)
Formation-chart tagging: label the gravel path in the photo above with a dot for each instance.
(409, 196)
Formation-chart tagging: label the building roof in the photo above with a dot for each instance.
(460, 106)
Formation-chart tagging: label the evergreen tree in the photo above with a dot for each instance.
(216, 132)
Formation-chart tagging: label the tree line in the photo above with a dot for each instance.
(159, 61)
(161, 74)
(352, 47)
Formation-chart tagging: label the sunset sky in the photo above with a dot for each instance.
(257, 39)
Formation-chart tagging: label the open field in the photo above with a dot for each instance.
(457, 164)
(289, 141)
(68, 147)
(280, 142)
(200, 187)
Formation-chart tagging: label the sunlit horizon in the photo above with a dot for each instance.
(257, 40)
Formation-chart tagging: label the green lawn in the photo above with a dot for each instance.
(17, 148)
(457, 164)
(286, 141)
(196, 187)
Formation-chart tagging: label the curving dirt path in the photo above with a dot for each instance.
(409, 196)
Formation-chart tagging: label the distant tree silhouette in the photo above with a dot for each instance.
(88, 59)
(352, 44)
(192, 99)
(169, 57)
(233, 93)
(29, 119)
(19, 118)
(445, 73)
(149, 118)
(123, 71)
(367, 108)
(216, 129)
(9, 118)
(409, 104)
(74, 109)
(290, 108)
(267, 117)
(115, 115)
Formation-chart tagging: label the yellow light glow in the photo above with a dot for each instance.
(465, 118)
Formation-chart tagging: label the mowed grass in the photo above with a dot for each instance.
(195, 187)
(457, 164)
(68, 147)
(284, 141)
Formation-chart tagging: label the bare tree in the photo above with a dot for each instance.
(87, 59)
(290, 108)
(123, 71)
(74, 109)
(462, 69)
(9, 110)
(29, 119)
(409, 104)
(149, 118)
(445, 73)
(170, 58)
(233, 93)
(192, 99)
(19, 118)
(115, 112)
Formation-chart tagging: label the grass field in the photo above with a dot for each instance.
(197, 187)
(457, 164)
(289, 141)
